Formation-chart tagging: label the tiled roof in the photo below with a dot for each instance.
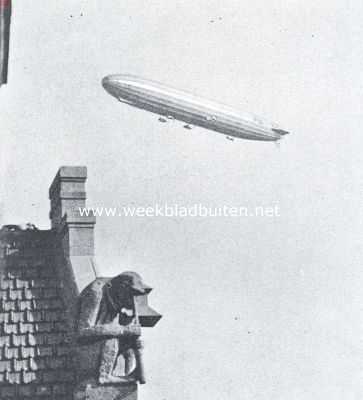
(35, 346)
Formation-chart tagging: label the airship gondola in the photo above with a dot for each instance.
(170, 103)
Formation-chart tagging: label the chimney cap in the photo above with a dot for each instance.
(68, 173)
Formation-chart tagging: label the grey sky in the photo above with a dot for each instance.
(254, 308)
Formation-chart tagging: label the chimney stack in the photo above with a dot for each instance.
(75, 231)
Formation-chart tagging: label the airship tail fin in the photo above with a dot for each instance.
(280, 131)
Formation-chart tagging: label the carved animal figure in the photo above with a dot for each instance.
(109, 329)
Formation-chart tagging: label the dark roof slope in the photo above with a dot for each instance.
(35, 351)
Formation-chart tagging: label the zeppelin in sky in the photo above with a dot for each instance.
(170, 103)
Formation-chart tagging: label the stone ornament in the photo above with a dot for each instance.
(112, 312)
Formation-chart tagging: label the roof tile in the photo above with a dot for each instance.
(44, 351)
(20, 365)
(4, 341)
(13, 377)
(34, 316)
(26, 327)
(37, 363)
(15, 294)
(6, 284)
(18, 340)
(4, 294)
(27, 352)
(17, 316)
(20, 283)
(44, 327)
(29, 376)
(4, 317)
(24, 305)
(5, 366)
(10, 328)
(11, 352)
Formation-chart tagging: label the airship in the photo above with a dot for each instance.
(192, 110)
(5, 17)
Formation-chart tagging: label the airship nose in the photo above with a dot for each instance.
(110, 84)
(106, 82)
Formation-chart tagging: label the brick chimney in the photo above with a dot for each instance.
(75, 232)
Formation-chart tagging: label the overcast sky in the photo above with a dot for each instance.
(254, 308)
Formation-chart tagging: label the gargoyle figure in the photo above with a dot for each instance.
(108, 315)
